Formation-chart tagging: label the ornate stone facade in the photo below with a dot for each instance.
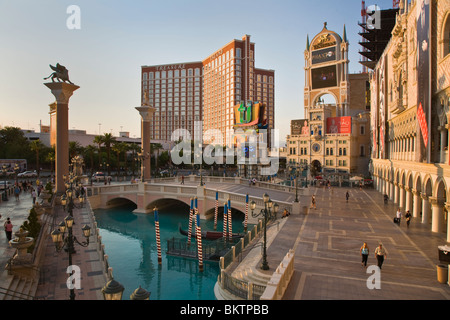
(333, 139)
(418, 181)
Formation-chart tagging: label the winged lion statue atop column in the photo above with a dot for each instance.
(60, 73)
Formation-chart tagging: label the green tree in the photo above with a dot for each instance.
(99, 141)
(108, 141)
(156, 147)
(75, 149)
(14, 145)
(120, 147)
(36, 146)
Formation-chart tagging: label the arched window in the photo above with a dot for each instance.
(446, 36)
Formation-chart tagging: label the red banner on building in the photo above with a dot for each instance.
(339, 125)
(423, 124)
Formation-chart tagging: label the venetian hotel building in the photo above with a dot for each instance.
(207, 90)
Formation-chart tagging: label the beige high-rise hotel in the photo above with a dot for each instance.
(207, 90)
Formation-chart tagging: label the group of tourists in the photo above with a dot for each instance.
(380, 254)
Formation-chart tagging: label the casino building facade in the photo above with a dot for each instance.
(206, 91)
(333, 139)
(410, 90)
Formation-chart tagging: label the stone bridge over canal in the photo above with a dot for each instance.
(147, 195)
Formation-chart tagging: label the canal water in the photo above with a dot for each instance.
(130, 243)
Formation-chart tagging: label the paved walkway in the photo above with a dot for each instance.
(327, 240)
(53, 275)
(18, 212)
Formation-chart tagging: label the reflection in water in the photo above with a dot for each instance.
(130, 243)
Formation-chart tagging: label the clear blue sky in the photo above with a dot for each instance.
(116, 38)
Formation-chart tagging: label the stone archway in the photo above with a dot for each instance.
(316, 168)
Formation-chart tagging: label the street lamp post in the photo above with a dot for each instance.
(305, 167)
(61, 241)
(267, 213)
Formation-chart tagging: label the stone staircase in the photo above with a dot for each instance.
(13, 287)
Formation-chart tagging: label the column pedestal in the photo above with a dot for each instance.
(62, 92)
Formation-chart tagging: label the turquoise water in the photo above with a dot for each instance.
(130, 243)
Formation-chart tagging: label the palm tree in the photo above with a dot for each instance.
(74, 149)
(99, 141)
(156, 147)
(108, 140)
(51, 158)
(36, 146)
(89, 152)
(135, 149)
(120, 147)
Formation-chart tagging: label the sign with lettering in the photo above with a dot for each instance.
(323, 55)
(323, 41)
(339, 125)
(171, 67)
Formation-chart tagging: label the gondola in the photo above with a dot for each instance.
(210, 235)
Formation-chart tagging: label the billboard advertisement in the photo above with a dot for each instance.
(339, 125)
(323, 55)
(324, 77)
(423, 80)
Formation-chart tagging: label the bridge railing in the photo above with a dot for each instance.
(240, 288)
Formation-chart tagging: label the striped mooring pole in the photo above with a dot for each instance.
(246, 213)
(216, 210)
(225, 210)
(230, 227)
(199, 244)
(190, 221)
(158, 239)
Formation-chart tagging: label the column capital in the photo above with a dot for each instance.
(436, 201)
(424, 196)
(447, 206)
(146, 112)
(62, 91)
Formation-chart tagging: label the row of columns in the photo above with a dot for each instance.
(431, 208)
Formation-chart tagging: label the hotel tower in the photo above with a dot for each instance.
(187, 93)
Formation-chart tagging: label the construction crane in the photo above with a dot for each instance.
(395, 4)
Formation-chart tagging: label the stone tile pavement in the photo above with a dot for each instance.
(327, 240)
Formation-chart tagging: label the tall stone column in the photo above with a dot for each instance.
(391, 191)
(447, 206)
(395, 192)
(408, 203)
(146, 113)
(62, 92)
(417, 204)
(402, 196)
(437, 215)
(425, 209)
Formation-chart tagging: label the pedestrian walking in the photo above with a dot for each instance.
(364, 251)
(408, 218)
(380, 255)
(313, 202)
(8, 229)
(33, 194)
(17, 192)
(347, 195)
(398, 216)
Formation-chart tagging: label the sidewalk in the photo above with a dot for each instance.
(327, 240)
(53, 266)
(18, 212)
